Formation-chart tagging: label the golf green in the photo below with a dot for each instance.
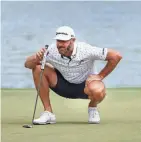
(120, 118)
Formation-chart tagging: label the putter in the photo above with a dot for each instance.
(38, 89)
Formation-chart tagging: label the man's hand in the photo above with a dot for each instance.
(93, 77)
(40, 54)
(35, 59)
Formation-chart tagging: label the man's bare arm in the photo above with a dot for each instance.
(32, 61)
(113, 58)
(35, 59)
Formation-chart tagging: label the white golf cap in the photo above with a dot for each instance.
(64, 33)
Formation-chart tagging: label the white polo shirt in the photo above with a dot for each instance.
(81, 65)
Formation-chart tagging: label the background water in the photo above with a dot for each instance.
(27, 26)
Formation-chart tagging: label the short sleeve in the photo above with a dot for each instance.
(96, 53)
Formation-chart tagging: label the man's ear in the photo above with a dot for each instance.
(73, 39)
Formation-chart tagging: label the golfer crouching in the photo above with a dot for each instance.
(71, 73)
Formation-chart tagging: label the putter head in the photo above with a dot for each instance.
(27, 126)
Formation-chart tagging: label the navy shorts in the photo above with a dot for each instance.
(69, 90)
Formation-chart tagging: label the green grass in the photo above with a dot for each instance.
(120, 118)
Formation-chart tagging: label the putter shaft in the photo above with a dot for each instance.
(39, 85)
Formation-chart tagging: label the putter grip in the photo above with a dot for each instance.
(44, 58)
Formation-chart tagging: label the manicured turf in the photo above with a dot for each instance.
(120, 118)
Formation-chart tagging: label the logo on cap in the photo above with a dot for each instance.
(64, 33)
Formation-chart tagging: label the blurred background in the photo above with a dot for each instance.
(28, 26)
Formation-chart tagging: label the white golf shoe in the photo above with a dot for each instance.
(94, 117)
(45, 118)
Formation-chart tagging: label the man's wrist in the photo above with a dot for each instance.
(101, 76)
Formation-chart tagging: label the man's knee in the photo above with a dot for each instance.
(48, 70)
(95, 89)
(49, 73)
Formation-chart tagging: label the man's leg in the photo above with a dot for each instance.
(96, 93)
(49, 78)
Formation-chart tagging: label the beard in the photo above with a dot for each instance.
(63, 51)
